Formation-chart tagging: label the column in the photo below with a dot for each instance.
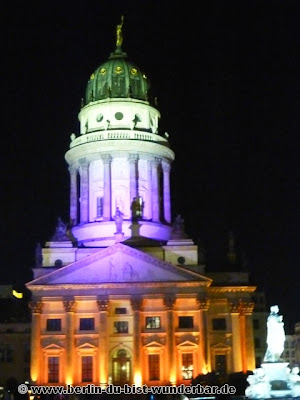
(35, 363)
(70, 307)
(103, 342)
(73, 195)
(236, 337)
(84, 191)
(107, 159)
(166, 194)
(133, 168)
(204, 345)
(149, 187)
(155, 190)
(169, 302)
(249, 337)
(136, 303)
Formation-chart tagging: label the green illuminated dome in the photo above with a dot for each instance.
(117, 78)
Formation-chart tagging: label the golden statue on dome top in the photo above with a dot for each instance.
(119, 32)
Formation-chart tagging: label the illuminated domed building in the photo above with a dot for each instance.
(120, 297)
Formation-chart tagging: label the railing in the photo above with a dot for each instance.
(117, 135)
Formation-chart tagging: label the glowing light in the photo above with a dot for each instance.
(17, 294)
(204, 370)
(173, 380)
(69, 381)
(138, 379)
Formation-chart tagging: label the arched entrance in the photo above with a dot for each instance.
(121, 368)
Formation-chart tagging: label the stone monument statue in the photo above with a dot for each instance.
(275, 336)
(61, 233)
(118, 220)
(274, 379)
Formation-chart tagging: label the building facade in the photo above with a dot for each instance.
(119, 296)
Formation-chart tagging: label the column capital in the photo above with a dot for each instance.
(36, 307)
(106, 158)
(83, 162)
(166, 167)
(156, 161)
(169, 302)
(72, 169)
(247, 307)
(203, 303)
(235, 308)
(132, 158)
(136, 303)
(70, 305)
(103, 304)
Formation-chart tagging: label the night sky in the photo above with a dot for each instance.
(226, 75)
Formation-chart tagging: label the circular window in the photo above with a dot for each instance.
(92, 76)
(99, 118)
(118, 116)
(133, 71)
(118, 70)
(181, 260)
(58, 263)
(102, 71)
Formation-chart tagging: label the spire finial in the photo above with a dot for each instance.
(119, 33)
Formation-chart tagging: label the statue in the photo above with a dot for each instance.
(118, 219)
(275, 336)
(119, 33)
(178, 231)
(60, 234)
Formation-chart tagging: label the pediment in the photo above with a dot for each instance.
(86, 346)
(153, 344)
(220, 346)
(53, 347)
(187, 343)
(119, 264)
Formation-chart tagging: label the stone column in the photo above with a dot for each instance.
(204, 345)
(35, 363)
(133, 168)
(169, 302)
(249, 363)
(73, 195)
(84, 191)
(107, 159)
(103, 342)
(70, 308)
(149, 202)
(136, 304)
(155, 190)
(167, 193)
(236, 337)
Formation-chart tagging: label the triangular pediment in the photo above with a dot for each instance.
(187, 343)
(86, 346)
(153, 344)
(53, 347)
(118, 264)
(221, 346)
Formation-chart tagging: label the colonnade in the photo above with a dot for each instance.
(156, 167)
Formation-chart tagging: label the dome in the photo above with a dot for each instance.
(117, 78)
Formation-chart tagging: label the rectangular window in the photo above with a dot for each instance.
(87, 324)
(153, 365)
(219, 324)
(152, 322)
(256, 324)
(120, 327)
(120, 310)
(53, 325)
(53, 369)
(6, 353)
(87, 368)
(221, 365)
(186, 322)
(99, 207)
(187, 366)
